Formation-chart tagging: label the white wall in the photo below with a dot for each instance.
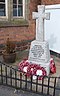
(52, 27)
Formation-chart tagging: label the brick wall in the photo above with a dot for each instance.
(50, 2)
(20, 33)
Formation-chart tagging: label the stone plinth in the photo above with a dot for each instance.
(39, 52)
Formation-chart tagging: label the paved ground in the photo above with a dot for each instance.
(7, 91)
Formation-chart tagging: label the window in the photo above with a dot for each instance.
(17, 8)
(13, 12)
(3, 8)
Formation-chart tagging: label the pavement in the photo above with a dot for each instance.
(8, 91)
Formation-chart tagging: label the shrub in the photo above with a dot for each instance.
(10, 46)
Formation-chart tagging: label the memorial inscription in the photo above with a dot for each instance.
(37, 51)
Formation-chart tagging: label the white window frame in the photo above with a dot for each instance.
(23, 11)
(6, 1)
(23, 8)
(6, 8)
(9, 19)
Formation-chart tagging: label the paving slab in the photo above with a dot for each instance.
(8, 91)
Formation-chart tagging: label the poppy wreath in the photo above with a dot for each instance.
(52, 66)
(31, 69)
(22, 65)
(40, 76)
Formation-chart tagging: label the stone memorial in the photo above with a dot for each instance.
(39, 50)
(40, 16)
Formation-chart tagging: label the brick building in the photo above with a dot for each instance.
(16, 19)
(17, 26)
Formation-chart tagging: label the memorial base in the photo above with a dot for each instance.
(39, 52)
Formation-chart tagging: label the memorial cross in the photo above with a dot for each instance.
(40, 16)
